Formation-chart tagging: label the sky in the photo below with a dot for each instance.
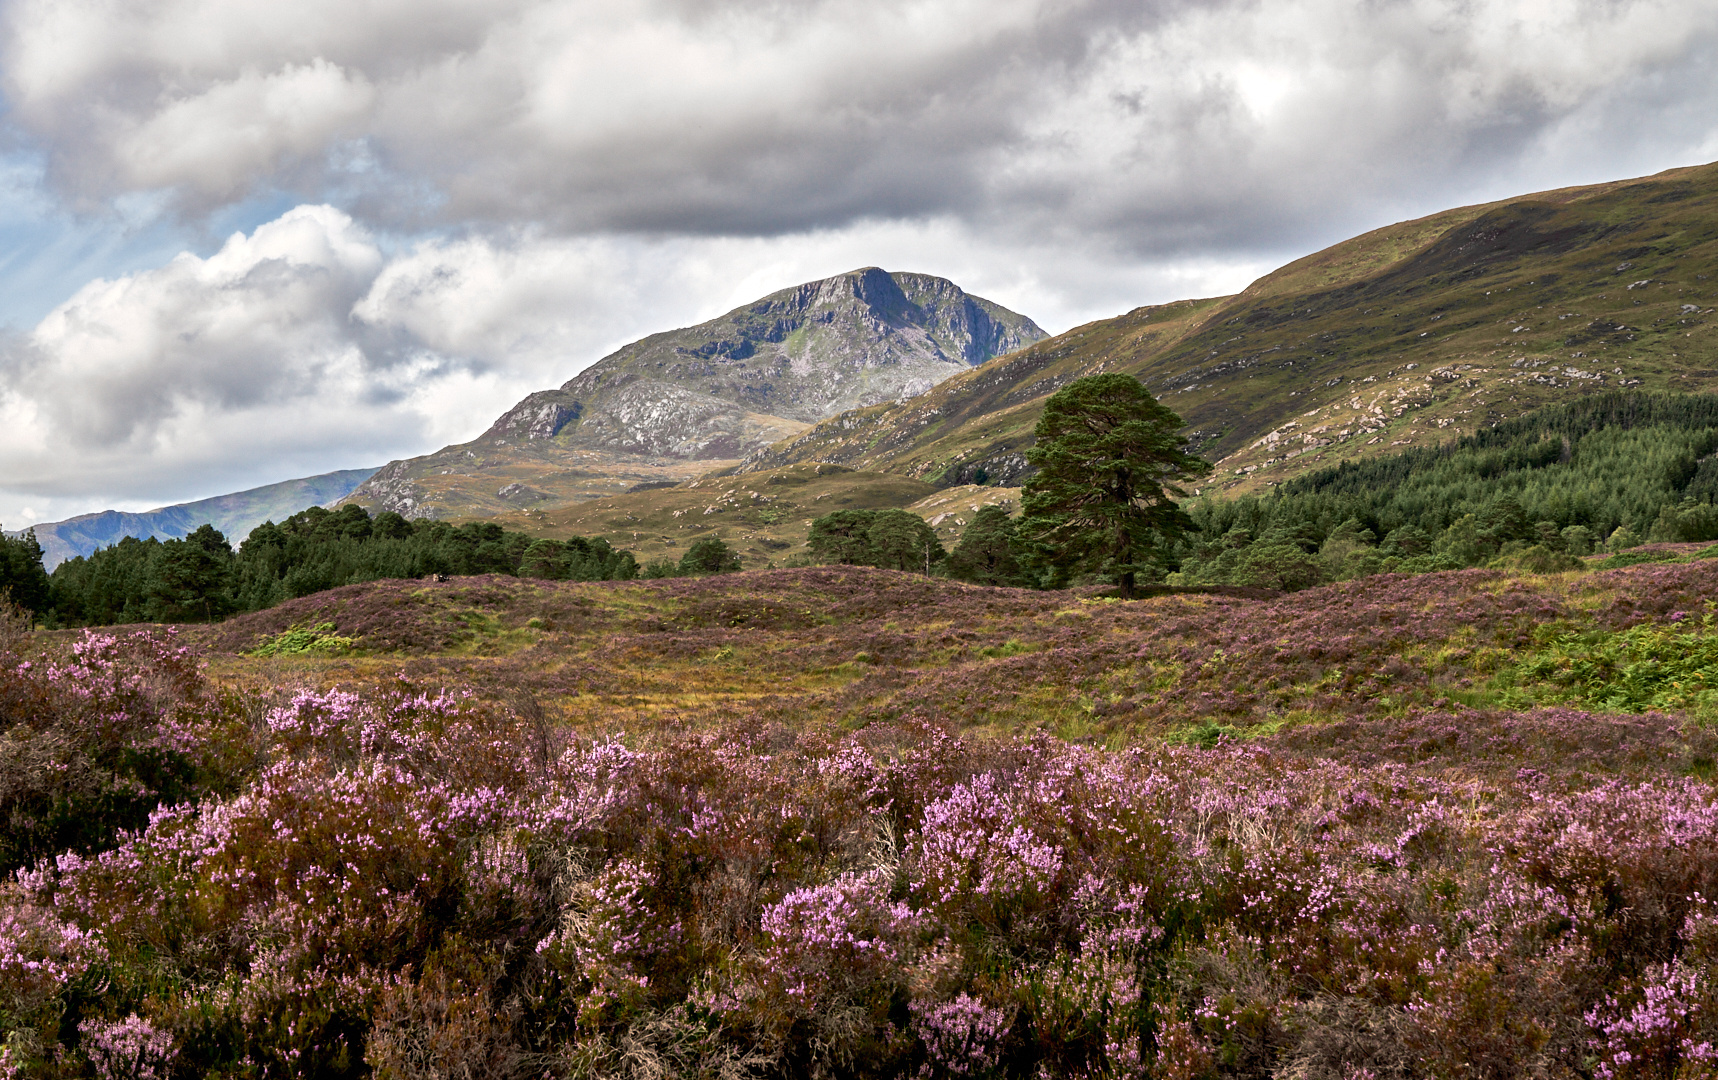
(243, 241)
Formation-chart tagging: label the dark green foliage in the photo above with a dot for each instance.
(842, 537)
(200, 578)
(900, 540)
(887, 539)
(187, 579)
(989, 552)
(1557, 483)
(1610, 460)
(1108, 459)
(708, 555)
(577, 559)
(21, 575)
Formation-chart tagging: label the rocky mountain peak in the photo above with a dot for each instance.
(802, 354)
(716, 392)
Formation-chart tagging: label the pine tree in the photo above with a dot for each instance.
(901, 540)
(843, 536)
(1109, 461)
(708, 555)
(989, 551)
(22, 579)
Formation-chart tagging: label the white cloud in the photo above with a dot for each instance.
(237, 130)
(299, 348)
(1171, 124)
(523, 185)
(196, 367)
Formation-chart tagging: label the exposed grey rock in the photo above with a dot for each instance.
(804, 353)
(540, 416)
(726, 388)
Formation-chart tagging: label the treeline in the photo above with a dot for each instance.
(200, 578)
(991, 550)
(22, 579)
(1614, 470)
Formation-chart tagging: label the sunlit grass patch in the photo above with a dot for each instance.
(1671, 665)
(317, 640)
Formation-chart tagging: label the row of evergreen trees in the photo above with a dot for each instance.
(200, 578)
(991, 550)
(1613, 470)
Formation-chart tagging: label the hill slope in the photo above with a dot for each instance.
(235, 515)
(1400, 337)
(675, 404)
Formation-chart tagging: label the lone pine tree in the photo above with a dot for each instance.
(1109, 461)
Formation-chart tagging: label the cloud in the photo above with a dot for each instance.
(180, 370)
(491, 194)
(301, 347)
(1171, 125)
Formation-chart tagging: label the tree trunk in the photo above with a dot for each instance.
(1127, 585)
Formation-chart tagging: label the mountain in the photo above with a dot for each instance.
(1405, 336)
(234, 515)
(677, 404)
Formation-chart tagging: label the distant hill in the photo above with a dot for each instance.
(764, 517)
(677, 404)
(1402, 337)
(234, 515)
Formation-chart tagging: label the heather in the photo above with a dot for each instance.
(841, 821)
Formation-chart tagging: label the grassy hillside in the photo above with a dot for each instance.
(1401, 337)
(852, 645)
(764, 516)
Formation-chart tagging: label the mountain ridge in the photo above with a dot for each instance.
(678, 403)
(1401, 336)
(234, 514)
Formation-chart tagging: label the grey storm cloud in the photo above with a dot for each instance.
(493, 193)
(1186, 126)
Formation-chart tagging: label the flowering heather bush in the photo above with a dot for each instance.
(94, 739)
(129, 1049)
(417, 883)
(820, 875)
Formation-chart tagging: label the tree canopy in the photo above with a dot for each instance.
(889, 539)
(1109, 462)
(200, 578)
(989, 551)
(1611, 470)
(22, 579)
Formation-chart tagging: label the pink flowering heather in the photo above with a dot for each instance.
(128, 1049)
(962, 1037)
(395, 878)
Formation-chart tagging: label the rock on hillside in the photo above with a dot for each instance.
(1404, 336)
(712, 393)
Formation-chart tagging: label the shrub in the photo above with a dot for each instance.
(709, 555)
(301, 639)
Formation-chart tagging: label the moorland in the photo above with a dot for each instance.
(1401, 765)
(842, 821)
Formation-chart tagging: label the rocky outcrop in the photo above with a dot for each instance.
(394, 487)
(540, 416)
(718, 391)
(803, 354)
